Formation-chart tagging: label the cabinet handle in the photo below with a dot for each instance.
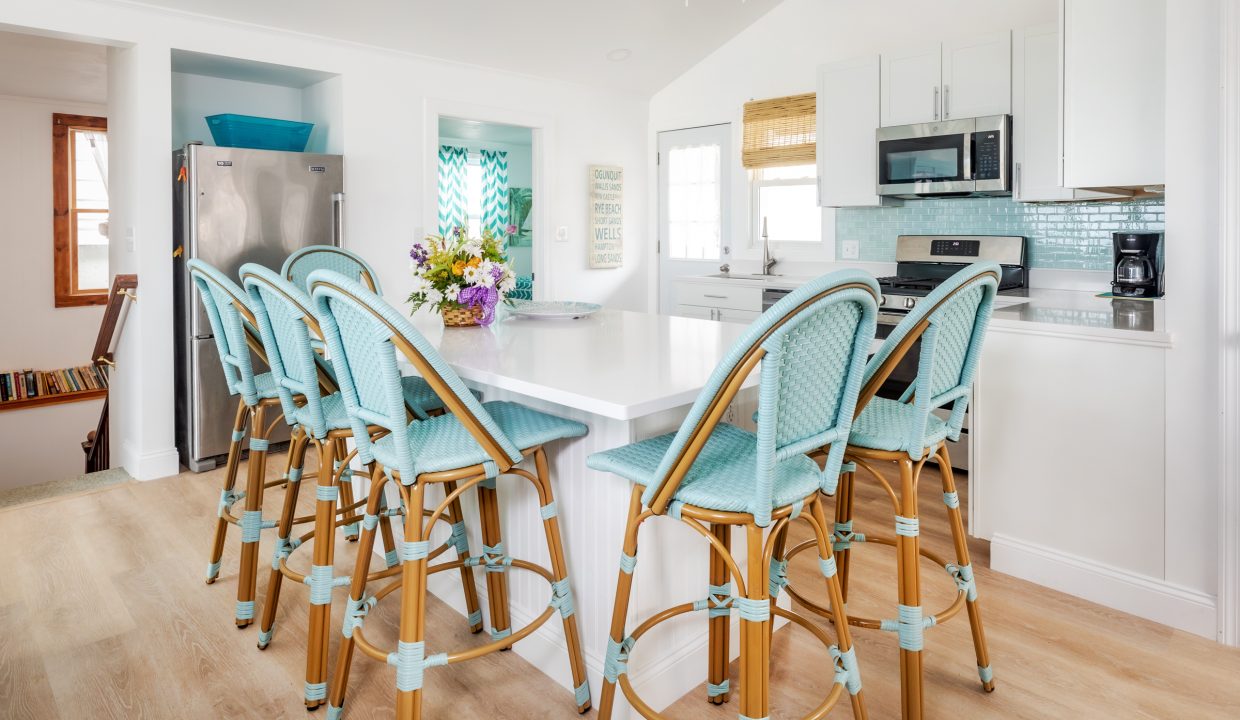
(936, 102)
(717, 297)
(1018, 181)
(947, 101)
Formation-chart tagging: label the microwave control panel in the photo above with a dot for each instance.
(987, 155)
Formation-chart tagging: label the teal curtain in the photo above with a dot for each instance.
(452, 185)
(495, 192)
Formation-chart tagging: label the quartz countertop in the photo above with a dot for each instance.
(615, 363)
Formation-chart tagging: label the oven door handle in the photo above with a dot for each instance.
(967, 139)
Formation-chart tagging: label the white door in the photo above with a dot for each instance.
(910, 81)
(1035, 116)
(977, 76)
(692, 195)
(848, 100)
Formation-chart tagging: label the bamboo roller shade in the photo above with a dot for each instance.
(780, 131)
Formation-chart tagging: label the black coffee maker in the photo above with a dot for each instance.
(1137, 271)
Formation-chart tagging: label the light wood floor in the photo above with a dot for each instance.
(103, 614)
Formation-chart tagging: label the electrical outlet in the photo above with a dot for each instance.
(131, 242)
(850, 249)
(561, 234)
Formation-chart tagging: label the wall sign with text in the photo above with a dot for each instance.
(606, 216)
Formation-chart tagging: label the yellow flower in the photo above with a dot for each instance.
(475, 261)
(458, 268)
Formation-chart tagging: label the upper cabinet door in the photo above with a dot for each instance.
(848, 99)
(1035, 115)
(910, 86)
(1114, 97)
(977, 76)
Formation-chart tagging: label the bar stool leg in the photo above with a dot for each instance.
(717, 685)
(493, 545)
(252, 518)
(617, 647)
(909, 573)
(843, 523)
(411, 651)
(230, 483)
(835, 595)
(563, 595)
(321, 574)
(357, 591)
(457, 517)
(346, 488)
(755, 610)
(296, 459)
(966, 575)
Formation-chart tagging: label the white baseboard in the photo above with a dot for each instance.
(151, 465)
(1130, 592)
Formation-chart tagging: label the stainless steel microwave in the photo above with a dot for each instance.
(968, 157)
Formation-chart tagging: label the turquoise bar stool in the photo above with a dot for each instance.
(951, 324)
(811, 348)
(298, 266)
(473, 445)
(236, 337)
(287, 325)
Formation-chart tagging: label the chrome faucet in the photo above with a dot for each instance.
(768, 262)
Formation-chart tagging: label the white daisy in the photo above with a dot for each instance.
(472, 275)
(433, 296)
(452, 292)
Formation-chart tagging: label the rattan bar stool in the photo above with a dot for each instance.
(811, 347)
(471, 446)
(236, 337)
(951, 325)
(287, 324)
(296, 268)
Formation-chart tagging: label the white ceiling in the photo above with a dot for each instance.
(483, 132)
(566, 39)
(42, 67)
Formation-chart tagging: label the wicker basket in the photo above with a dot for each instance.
(460, 316)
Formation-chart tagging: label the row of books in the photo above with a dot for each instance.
(27, 384)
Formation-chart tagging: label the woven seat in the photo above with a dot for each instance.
(443, 443)
(884, 424)
(723, 474)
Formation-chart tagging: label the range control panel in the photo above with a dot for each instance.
(955, 248)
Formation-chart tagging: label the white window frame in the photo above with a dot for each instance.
(822, 251)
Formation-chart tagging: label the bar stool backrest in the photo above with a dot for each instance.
(298, 266)
(812, 347)
(287, 324)
(951, 324)
(364, 335)
(233, 323)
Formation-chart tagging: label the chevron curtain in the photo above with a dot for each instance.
(452, 184)
(495, 192)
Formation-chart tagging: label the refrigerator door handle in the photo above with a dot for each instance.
(338, 219)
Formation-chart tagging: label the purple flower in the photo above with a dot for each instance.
(497, 272)
(475, 296)
(419, 254)
(511, 229)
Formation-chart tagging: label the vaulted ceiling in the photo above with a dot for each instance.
(565, 39)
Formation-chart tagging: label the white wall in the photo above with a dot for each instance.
(36, 334)
(194, 97)
(780, 54)
(383, 95)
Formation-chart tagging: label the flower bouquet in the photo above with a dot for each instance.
(460, 277)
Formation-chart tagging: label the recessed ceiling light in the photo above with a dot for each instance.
(619, 54)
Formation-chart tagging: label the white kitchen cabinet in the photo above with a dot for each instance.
(911, 81)
(848, 118)
(1113, 92)
(977, 76)
(1068, 454)
(737, 316)
(723, 300)
(696, 311)
(1036, 118)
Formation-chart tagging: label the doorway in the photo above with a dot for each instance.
(693, 193)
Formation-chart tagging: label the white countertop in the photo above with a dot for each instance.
(615, 363)
(1044, 310)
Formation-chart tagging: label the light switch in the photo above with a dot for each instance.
(561, 233)
(850, 249)
(131, 242)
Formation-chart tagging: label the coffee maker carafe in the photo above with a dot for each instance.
(1137, 270)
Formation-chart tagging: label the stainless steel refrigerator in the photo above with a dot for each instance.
(233, 206)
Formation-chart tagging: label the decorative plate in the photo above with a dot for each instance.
(553, 309)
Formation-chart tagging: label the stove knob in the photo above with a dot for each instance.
(882, 300)
(910, 302)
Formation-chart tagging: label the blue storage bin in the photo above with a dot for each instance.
(260, 133)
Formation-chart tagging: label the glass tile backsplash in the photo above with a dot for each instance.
(1065, 236)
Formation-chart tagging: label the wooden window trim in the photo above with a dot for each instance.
(63, 245)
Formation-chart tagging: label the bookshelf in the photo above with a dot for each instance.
(57, 399)
(51, 387)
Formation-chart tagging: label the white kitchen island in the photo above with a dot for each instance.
(628, 376)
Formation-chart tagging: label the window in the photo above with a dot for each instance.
(786, 198)
(693, 188)
(80, 209)
(473, 195)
